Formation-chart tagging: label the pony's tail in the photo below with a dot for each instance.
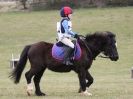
(16, 73)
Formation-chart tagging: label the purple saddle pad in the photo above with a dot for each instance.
(58, 52)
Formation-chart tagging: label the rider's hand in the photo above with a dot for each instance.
(76, 36)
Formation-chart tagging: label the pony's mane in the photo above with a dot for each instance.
(99, 35)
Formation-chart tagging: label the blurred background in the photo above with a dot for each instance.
(8, 5)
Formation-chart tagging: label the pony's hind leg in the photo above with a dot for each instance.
(37, 79)
(29, 76)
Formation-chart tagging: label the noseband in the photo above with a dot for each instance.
(101, 56)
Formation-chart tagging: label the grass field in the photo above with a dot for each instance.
(112, 79)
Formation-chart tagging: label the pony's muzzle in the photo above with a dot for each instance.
(114, 58)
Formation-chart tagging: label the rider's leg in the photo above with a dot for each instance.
(68, 42)
(68, 51)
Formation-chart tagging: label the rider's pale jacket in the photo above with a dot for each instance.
(64, 29)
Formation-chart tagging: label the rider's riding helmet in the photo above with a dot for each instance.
(65, 11)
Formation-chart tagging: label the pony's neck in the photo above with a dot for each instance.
(95, 53)
(91, 49)
(95, 49)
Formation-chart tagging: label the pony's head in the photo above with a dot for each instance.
(110, 48)
(104, 42)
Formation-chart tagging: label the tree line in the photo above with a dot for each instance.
(55, 4)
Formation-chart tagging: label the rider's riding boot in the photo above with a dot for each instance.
(67, 56)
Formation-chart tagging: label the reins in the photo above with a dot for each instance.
(83, 40)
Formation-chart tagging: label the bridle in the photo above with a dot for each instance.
(82, 38)
(101, 56)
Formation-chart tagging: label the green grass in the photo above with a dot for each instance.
(112, 79)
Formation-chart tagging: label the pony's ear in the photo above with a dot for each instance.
(110, 34)
(90, 36)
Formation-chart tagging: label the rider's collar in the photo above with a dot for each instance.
(66, 18)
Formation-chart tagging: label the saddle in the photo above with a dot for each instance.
(59, 48)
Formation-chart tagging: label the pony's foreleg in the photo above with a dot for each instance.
(82, 80)
(89, 79)
(37, 79)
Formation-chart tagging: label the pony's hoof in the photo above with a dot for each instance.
(86, 93)
(29, 89)
(29, 92)
(40, 94)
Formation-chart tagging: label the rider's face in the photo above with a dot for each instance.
(70, 16)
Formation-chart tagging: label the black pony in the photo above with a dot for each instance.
(39, 55)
